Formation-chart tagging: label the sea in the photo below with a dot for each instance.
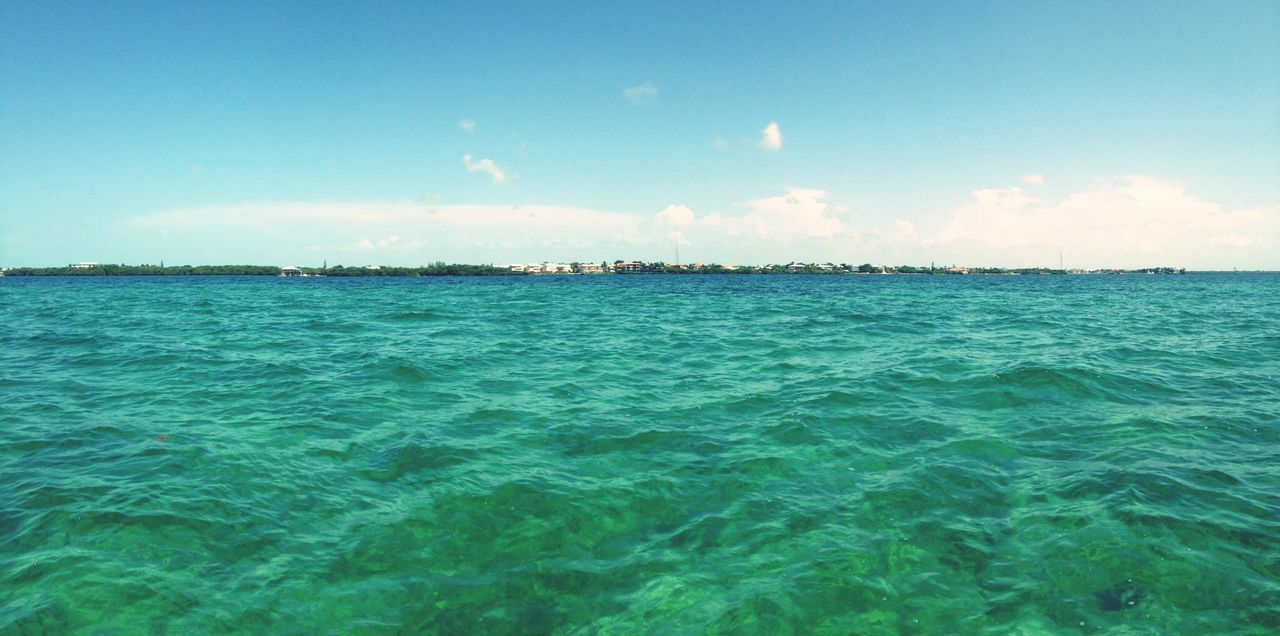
(641, 454)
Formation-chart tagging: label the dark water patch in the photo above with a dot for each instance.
(422, 315)
(498, 417)
(840, 399)
(330, 325)
(750, 404)
(762, 468)
(333, 450)
(792, 433)
(1125, 596)
(587, 442)
(411, 458)
(58, 339)
(396, 369)
(283, 370)
(1028, 385)
(42, 615)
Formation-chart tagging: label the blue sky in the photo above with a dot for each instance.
(1122, 134)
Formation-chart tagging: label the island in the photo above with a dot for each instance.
(617, 267)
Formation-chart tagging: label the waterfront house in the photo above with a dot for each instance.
(290, 272)
(83, 265)
(628, 266)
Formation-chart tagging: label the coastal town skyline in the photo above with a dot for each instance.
(618, 266)
(988, 134)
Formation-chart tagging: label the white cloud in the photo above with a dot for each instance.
(414, 233)
(487, 166)
(391, 242)
(771, 138)
(1125, 222)
(1033, 179)
(467, 124)
(1133, 221)
(801, 213)
(797, 225)
(904, 233)
(643, 94)
(675, 218)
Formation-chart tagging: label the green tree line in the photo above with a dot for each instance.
(148, 270)
(434, 269)
(441, 268)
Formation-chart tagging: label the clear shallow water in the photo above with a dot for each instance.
(619, 455)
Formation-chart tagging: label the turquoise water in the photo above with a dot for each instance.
(619, 455)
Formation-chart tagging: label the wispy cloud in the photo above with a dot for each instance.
(771, 138)
(466, 124)
(643, 94)
(487, 166)
(1033, 179)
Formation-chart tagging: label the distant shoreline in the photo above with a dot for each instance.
(592, 269)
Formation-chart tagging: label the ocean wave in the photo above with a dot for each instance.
(640, 454)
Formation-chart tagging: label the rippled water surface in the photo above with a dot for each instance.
(635, 454)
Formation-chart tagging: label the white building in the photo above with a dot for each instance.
(83, 265)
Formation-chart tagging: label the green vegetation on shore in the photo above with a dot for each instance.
(147, 270)
(458, 269)
(435, 269)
